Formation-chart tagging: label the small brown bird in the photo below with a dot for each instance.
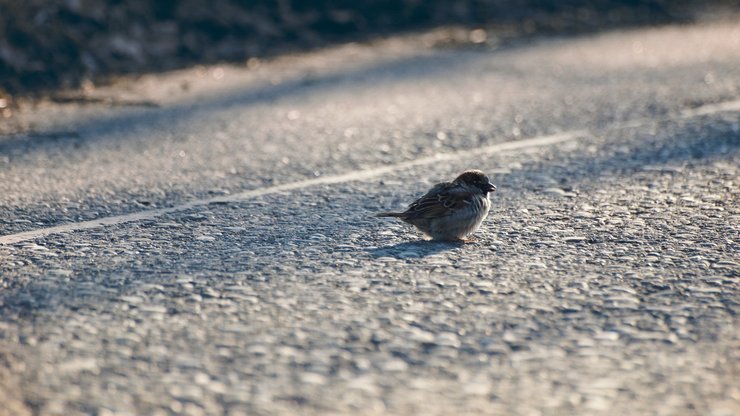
(450, 210)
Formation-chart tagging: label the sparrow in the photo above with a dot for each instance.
(450, 211)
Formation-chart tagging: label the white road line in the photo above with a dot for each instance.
(326, 180)
(707, 109)
(704, 110)
(727, 106)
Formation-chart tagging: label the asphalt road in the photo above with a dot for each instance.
(239, 270)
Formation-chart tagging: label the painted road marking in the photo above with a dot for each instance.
(708, 109)
(362, 175)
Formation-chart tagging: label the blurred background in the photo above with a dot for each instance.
(50, 44)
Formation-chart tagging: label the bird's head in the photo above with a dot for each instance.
(477, 180)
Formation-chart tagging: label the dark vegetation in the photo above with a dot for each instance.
(50, 44)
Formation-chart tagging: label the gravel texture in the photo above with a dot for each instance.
(605, 281)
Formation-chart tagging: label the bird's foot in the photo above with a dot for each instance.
(466, 240)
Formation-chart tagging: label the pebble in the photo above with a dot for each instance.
(574, 239)
(394, 366)
(407, 254)
(168, 225)
(558, 192)
(33, 246)
(77, 365)
(153, 309)
(345, 248)
(133, 300)
(366, 384)
(663, 169)
(447, 339)
(420, 336)
(584, 215)
(195, 217)
(386, 259)
(313, 378)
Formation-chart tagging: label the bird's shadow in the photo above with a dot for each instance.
(413, 249)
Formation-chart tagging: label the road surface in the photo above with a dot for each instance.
(202, 242)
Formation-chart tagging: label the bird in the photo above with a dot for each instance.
(450, 211)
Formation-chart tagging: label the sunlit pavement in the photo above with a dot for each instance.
(239, 270)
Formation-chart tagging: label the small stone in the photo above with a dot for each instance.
(558, 192)
(421, 336)
(447, 339)
(257, 349)
(364, 383)
(345, 248)
(153, 309)
(477, 388)
(313, 378)
(663, 169)
(394, 365)
(574, 239)
(168, 225)
(583, 215)
(77, 365)
(607, 336)
(35, 247)
(387, 259)
(408, 254)
(133, 300)
(196, 217)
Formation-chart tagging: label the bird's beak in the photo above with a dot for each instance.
(490, 187)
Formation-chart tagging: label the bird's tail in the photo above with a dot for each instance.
(391, 214)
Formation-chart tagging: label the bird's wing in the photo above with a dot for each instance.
(442, 200)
